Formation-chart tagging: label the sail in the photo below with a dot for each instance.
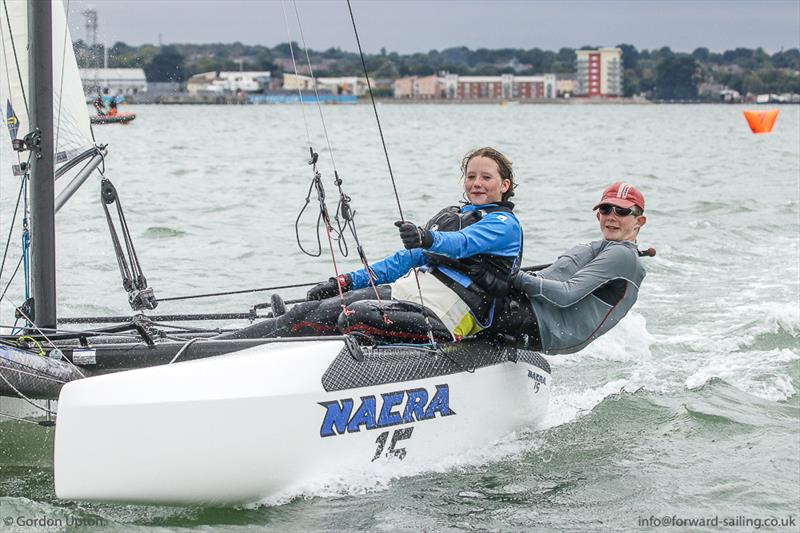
(72, 133)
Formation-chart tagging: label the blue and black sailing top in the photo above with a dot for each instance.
(492, 232)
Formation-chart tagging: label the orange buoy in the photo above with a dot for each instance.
(761, 121)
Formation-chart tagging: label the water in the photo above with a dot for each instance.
(688, 408)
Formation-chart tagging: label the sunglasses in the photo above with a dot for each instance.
(620, 211)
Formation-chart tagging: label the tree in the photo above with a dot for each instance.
(630, 55)
(676, 78)
(788, 59)
(387, 70)
(167, 65)
(701, 54)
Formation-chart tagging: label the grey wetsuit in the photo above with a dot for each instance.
(583, 294)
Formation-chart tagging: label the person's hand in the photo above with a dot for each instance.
(329, 288)
(518, 279)
(414, 236)
(484, 278)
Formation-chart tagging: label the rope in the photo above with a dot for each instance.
(16, 390)
(13, 222)
(343, 206)
(183, 349)
(10, 281)
(388, 162)
(20, 419)
(316, 182)
(32, 323)
(375, 109)
(243, 291)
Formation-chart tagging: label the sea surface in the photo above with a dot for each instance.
(689, 409)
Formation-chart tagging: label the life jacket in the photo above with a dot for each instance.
(489, 274)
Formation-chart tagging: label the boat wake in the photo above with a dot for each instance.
(382, 476)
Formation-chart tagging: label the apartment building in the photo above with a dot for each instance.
(453, 86)
(599, 72)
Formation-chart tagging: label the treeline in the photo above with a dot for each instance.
(660, 73)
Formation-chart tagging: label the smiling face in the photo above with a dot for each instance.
(483, 183)
(618, 228)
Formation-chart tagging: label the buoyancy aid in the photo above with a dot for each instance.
(489, 274)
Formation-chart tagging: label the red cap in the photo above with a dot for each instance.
(622, 195)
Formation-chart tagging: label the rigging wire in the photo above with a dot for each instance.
(388, 162)
(11, 228)
(316, 181)
(16, 61)
(297, 76)
(343, 206)
(13, 275)
(243, 291)
(375, 109)
(313, 83)
(61, 83)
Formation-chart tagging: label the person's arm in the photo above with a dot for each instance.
(496, 233)
(613, 263)
(389, 269)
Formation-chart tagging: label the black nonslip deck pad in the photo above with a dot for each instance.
(390, 364)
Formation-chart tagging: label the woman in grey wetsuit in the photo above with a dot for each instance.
(590, 287)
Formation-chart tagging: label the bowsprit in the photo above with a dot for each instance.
(400, 407)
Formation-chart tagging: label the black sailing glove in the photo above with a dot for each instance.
(330, 288)
(493, 283)
(414, 236)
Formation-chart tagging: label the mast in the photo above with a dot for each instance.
(40, 77)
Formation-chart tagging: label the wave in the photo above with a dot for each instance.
(380, 476)
(762, 374)
(160, 232)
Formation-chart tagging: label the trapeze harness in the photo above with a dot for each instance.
(461, 296)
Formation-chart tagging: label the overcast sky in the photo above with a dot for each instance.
(421, 25)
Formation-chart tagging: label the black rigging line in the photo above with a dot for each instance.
(13, 275)
(227, 293)
(375, 109)
(389, 165)
(11, 229)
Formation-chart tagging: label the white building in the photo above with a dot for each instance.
(599, 72)
(352, 85)
(227, 82)
(116, 80)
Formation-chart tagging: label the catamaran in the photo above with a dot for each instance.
(148, 413)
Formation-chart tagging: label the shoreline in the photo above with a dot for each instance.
(233, 100)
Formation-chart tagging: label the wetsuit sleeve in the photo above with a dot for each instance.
(615, 262)
(389, 269)
(495, 234)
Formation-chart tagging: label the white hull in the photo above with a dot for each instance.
(247, 426)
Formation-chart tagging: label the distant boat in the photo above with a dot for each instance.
(120, 118)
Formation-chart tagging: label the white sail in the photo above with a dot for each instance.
(72, 133)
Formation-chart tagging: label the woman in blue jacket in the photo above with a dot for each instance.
(464, 257)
